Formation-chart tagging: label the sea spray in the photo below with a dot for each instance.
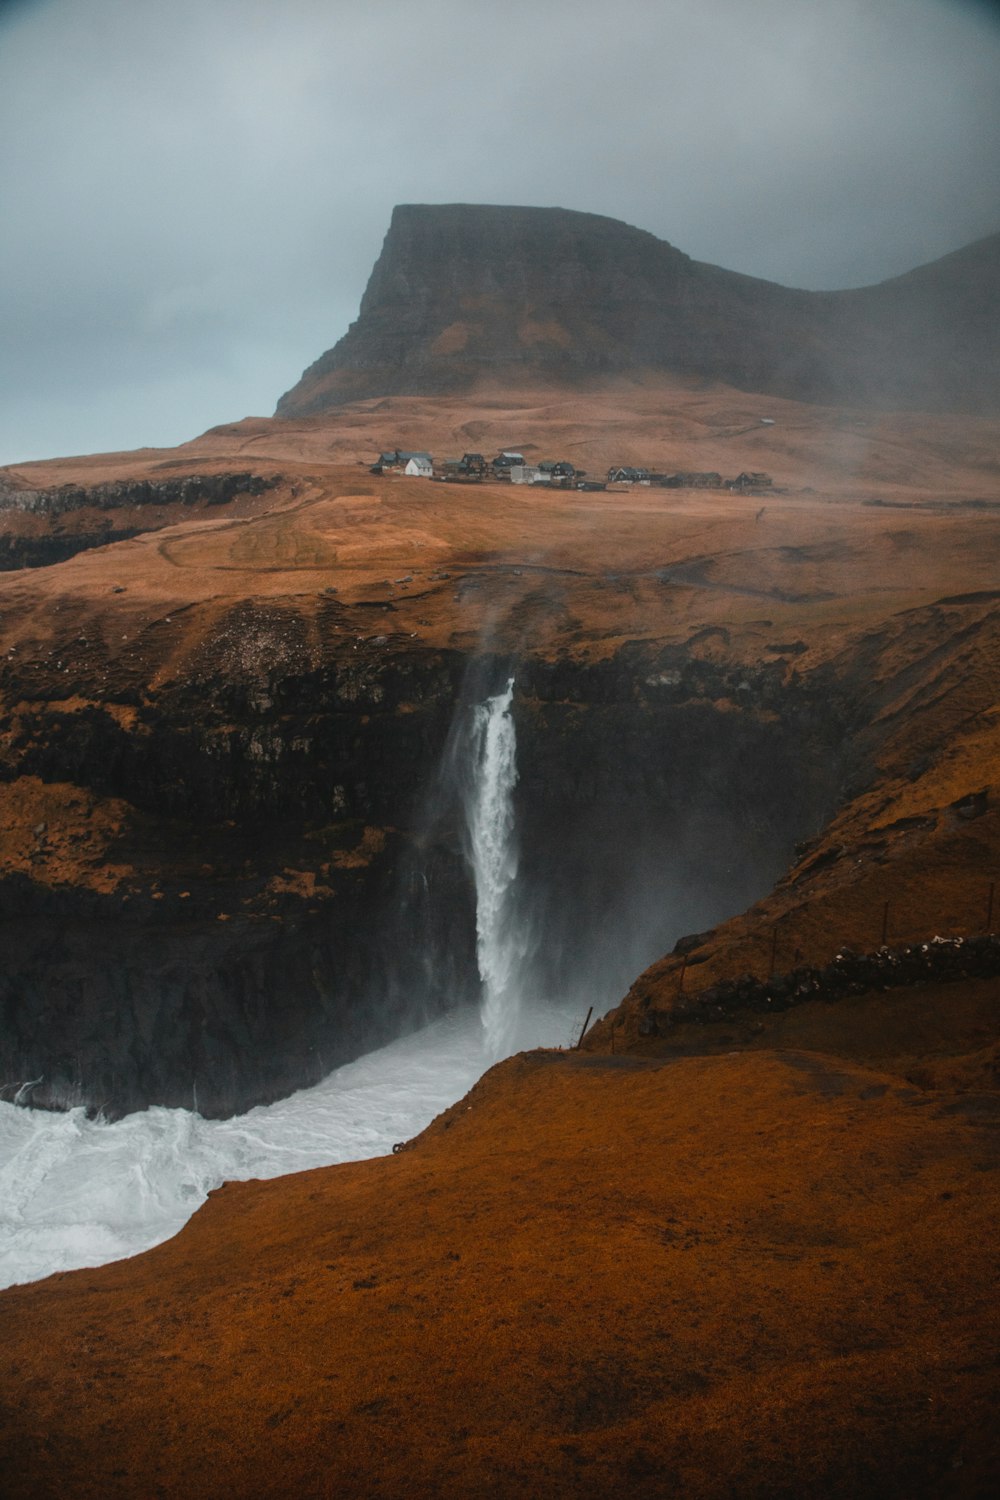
(493, 853)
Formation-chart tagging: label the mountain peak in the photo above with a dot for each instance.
(464, 295)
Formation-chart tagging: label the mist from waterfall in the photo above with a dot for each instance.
(576, 876)
(500, 947)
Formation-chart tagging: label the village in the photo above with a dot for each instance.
(510, 466)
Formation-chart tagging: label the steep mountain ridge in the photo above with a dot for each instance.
(467, 294)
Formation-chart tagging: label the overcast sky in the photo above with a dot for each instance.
(195, 192)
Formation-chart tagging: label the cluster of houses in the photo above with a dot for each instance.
(747, 483)
(475, 467)
(510, 465)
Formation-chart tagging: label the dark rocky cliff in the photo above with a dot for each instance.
(296, 891)
(518, 296)
(39, 527)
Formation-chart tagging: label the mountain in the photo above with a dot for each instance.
(464, 295)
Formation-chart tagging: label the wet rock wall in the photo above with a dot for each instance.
(297, 890)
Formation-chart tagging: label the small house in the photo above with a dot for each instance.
(386, 461)
(419, 465)
(558, 471)
(700, 480)
(396, 461)
(748, 482)
(505, 461)
(625, 474)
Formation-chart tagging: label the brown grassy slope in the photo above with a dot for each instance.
(757, 1275)
(819, 557)
(664, 423)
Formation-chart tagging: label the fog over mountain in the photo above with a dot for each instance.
(196, 194)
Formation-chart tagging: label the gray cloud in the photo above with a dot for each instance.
(195, 194)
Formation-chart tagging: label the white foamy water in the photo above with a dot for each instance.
(76, 1192)
(490, 815)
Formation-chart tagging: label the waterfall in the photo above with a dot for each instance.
(493, 853)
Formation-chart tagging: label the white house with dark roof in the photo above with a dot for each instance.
(419, 465)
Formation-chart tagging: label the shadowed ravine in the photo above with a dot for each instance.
(642, 811)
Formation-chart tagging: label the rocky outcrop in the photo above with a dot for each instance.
(214, 489)
(71, 517)
(463, 293)
(294, 889)
(940, 960)
(231, 842)
(255, 933)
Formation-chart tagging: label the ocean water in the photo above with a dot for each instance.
(76, 1192)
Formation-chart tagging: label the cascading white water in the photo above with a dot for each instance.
(75, 1192)
(78, 1192)
(490, 818)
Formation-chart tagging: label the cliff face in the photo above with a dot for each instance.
(203, 903)
(464, 293)
(41, 526)
(293, 888)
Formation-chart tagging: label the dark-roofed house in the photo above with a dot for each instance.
(750, 482)
(506, 460)
(625, 474)
(558, 469)
(386, 460)
(396, 460)
(693, 481)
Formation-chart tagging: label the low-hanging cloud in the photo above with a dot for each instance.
(195, 194)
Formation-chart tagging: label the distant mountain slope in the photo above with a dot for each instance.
(464, 294)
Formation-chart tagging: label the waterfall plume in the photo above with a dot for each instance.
(493, 853)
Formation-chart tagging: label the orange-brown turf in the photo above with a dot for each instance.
(755, 1274)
